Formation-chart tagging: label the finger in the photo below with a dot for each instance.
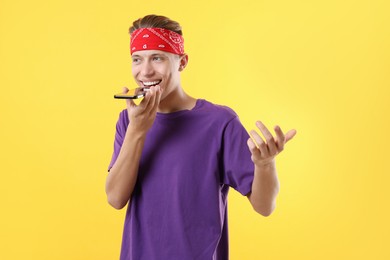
(152, 100)
(290, 134)
(253, 149)
(280, 138)
(125, 90)
(145, 102)
(268, 137)
(260, 143)
(130, 103)
(158, 98)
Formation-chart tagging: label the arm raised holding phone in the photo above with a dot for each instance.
(121, 180)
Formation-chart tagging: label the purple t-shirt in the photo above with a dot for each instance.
(178, 208)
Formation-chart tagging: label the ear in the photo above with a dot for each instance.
(183, 62)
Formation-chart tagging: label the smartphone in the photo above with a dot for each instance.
(132, 94)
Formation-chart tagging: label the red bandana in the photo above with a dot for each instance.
(156, 39)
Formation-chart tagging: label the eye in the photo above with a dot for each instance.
(157, 58)
(136, 60)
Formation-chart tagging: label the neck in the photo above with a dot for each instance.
(175, 101)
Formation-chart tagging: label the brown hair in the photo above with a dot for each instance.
(156, 21)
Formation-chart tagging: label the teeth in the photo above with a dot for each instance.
(151, 83)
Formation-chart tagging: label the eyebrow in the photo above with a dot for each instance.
(158, 54)
(151, 55)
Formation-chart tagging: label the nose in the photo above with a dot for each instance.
(147, 69)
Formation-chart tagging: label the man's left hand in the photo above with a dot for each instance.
(264, 152)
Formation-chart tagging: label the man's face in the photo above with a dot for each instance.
(153, 67)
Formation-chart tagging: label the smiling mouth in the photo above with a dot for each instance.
(148, 84)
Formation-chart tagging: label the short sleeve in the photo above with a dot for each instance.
(238, 166)
(121, 127)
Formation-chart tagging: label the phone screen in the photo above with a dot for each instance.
(132, 94)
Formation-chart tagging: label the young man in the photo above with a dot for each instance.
(175, 158)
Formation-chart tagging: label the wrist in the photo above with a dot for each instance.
(266, 165)
(135, 134)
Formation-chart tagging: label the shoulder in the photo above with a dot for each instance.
(123, 120)
(225, 118)
(218, 111)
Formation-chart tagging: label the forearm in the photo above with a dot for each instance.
(265, 188)
(121, 180)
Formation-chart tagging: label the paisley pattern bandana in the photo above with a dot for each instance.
(156, 39)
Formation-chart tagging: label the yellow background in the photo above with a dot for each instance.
(321, 67)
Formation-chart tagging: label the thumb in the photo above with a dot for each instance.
(125, 90)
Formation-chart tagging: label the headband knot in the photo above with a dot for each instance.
(156, 39)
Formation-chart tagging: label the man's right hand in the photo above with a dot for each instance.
(143, 115)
